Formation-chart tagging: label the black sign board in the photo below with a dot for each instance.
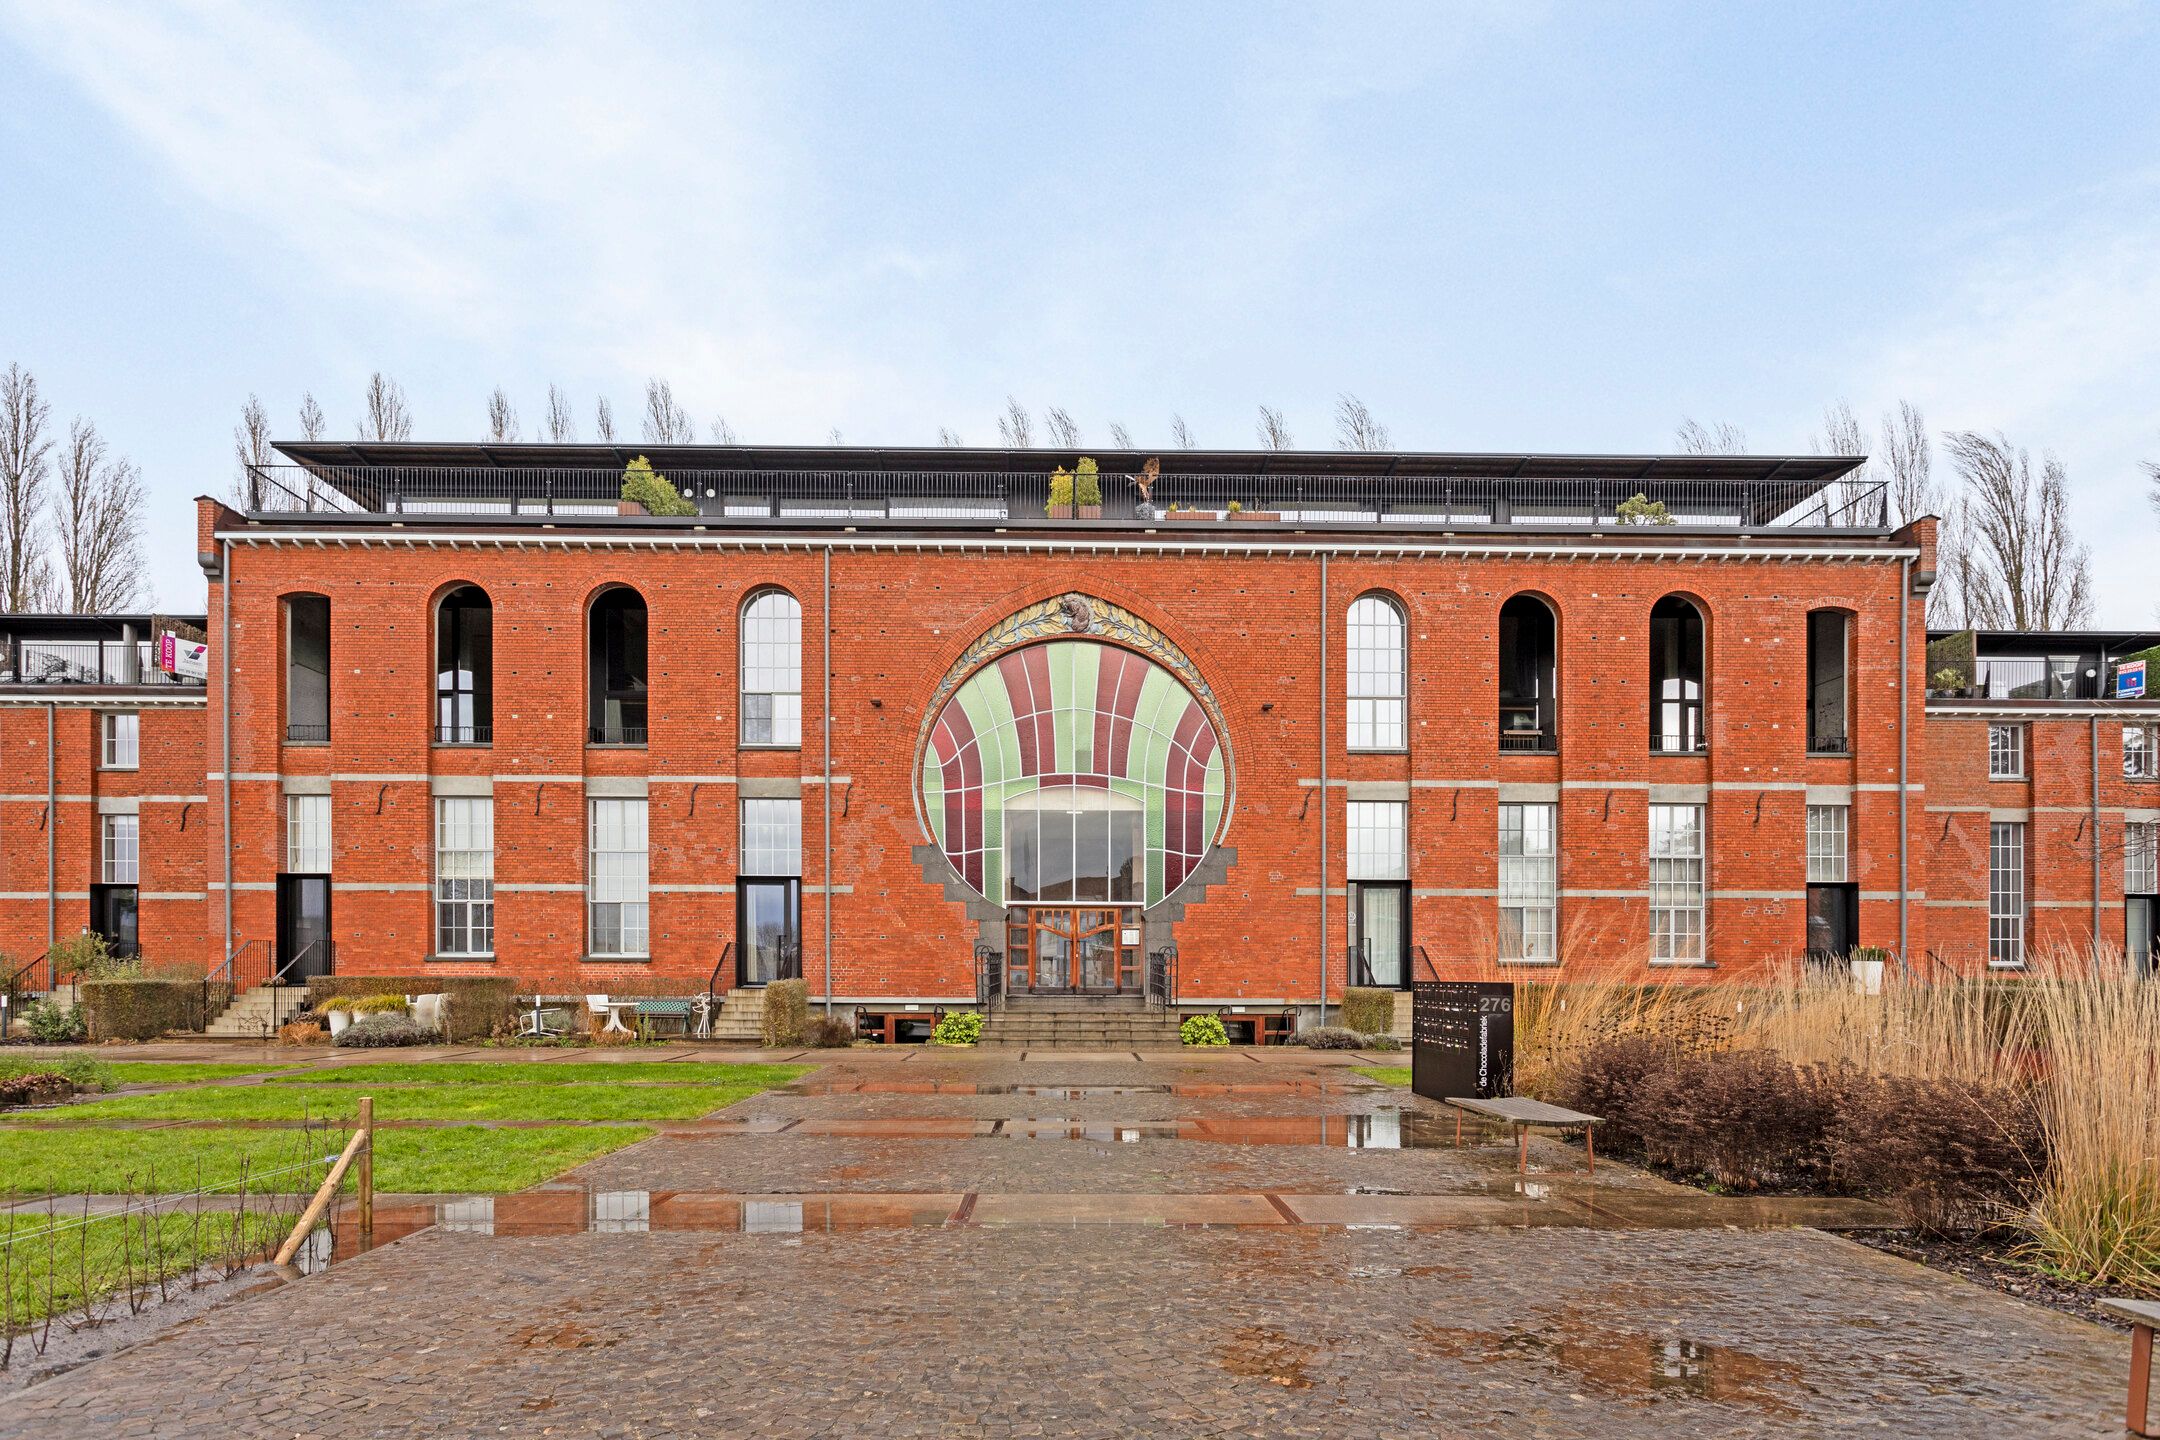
(1462, 1039)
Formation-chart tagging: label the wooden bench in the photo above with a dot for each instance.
(2143, 1316)
(1522, 1112)
(1269, 1027)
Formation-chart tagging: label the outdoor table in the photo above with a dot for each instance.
(1522, 1112)
(2143, 1316)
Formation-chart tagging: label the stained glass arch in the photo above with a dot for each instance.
(1073, 715)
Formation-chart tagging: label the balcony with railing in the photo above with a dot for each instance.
(84, 662)
(957, 488)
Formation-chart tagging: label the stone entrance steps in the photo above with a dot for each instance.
(258, 1012)
(1110, 1024)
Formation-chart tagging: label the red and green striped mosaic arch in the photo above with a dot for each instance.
(1073, 713)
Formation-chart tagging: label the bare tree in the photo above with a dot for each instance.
(312, 424)
(1014, 426)
(832, 436)
(949, 438)
(1356, 428)
(1908, 453)
(666, 423)
(1725, 439)
(502, 418)
(251, 452)
(1273, 431)
(1120, 437)
(1180, 435)
(722, 432)
(98, 511)
(604, 420)
(1857, 497)
(1063, 432)
(2019, 565)
(560, 424)
(385, 417)
(25, 469)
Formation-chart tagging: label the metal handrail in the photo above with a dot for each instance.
(989, 976)
(713, 980)
(1432, 971)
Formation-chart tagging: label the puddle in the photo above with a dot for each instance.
(1381, 1130)
(1263, 1354)
(1194, 1090)
(1628, 1364)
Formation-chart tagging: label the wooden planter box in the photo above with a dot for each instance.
(1256, 515)
(1188, 515)
(1061, 512)
(631, 507)
(1090, 512)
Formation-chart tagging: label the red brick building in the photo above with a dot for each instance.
(916, 724)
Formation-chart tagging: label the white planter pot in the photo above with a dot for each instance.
(1867, 975)
(339, 1019)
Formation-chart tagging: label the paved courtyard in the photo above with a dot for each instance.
(925, 1243)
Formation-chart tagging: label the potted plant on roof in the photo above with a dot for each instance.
(1239, 512)
(647, 492)
(1087, 490)
(1061, 494)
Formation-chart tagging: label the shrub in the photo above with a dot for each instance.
(959, 1027)
(143, 1007)
(1203, 1030)
(1368, 1011)
(1329, 1037)
(37, 1087)
(51, 1023)
(640, 482)
(479, 1004)
(1608, 1079)
(1640, 509)
(85, 955)
(1745, 1118)
(826, 1032)
(359, 1005)
(1947, 1155)
(383, 1030)
(1061, 489)
(787, 1013)
(83, 1071)
(1086, 483)
(1382, 1042)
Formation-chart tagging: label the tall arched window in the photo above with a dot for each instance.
(1375, 674)
(615, 668)
(772, 669)
(1676, 677)
(307, 669)
(1828, 636)
(465, 668)
(1529, 649)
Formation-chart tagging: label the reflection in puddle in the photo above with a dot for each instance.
(1628, 1364)
(1194, 1089)
(1382, 1130)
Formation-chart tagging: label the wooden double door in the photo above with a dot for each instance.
(1073, 949)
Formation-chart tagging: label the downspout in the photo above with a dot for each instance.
(1323, 786)
(2093, 722)
(1904, 719)
(225, 724)
(825, 623)
(52, 825)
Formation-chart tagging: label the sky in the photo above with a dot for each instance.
(1505, 227)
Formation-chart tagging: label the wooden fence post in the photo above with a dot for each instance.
(367, 1171)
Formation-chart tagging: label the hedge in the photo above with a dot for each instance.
(143, 1009)
(787, 1013)
(479, 1004)
(1368, 1011)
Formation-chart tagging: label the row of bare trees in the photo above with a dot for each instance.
(1356, 428)
(71, 511)
(2006, 556)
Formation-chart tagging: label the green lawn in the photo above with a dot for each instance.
(181, 1072)
(339, 1103)
(55, 1256)
(463, 1160)
(1386, 1074)
(560, 1072)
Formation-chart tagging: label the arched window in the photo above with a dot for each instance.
(307, 669)
(772, 669)
(465, 668)
(1828, 635)
(1676, 677)
(615, 668)
(1375, 674)
(1529, 648)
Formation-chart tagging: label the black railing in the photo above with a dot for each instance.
(1424, 963)
(298, 734)
(1678, 744)
(85, 662)
(1162, 977)
(464, 734)
(1828, 744)
(917, 497)
(989, 977)
(616, 734)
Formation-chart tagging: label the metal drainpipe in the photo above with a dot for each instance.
(52, 826)
(2093, 722)
(225, 723)
(825, 623)
(1904, 719)
(1323, 785)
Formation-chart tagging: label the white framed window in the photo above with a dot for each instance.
(1529, 883)
(771, 837)
(123, 742)
(2141, 857)
(1375, 674)
(616, 879)
(464, 875)
(772, 670)
(1676, 884)
(1827, 844)
(2006, 893)
(1379, 840)
(307, 834)
(2006, 752)
(117, 844)
(2141, 752)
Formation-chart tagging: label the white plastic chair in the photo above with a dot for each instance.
(601, 1005)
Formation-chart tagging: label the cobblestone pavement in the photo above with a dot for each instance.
(973, 1326)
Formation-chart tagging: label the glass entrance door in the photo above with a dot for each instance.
(1379, 934)
(2140, 912)
(1052, 949)
(303, 927)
